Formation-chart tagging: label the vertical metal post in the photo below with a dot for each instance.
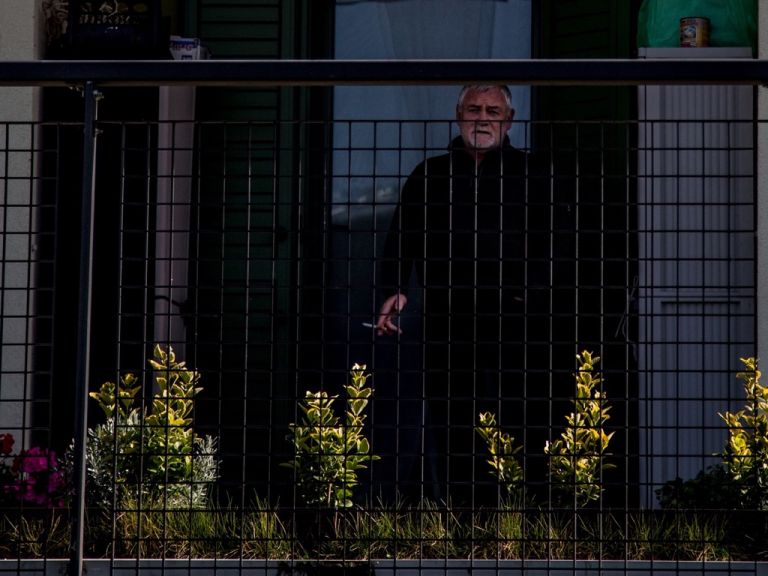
(90, 95)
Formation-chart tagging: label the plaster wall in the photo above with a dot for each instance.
(20, 39)
(762, 190)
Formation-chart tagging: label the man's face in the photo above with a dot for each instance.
(484, 119)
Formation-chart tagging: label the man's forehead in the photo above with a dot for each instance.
(490, 97)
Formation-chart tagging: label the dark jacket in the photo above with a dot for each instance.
(462, 229)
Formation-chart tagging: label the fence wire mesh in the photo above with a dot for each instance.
(560, 386)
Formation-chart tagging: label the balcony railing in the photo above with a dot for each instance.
(583, 407)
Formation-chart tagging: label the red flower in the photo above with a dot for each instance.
(6, 444)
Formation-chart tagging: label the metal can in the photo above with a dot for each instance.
(694, 32)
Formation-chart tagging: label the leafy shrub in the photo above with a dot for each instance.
(746, 452)
(328, 452)
(151, 458)
(502, 450)
(711, 489)
(576, 458)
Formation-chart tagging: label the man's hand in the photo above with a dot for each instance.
(389, 315)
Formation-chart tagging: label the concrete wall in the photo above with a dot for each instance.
(20, 39)
(762, 190)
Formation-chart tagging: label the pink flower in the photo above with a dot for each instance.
(34, 460)
(56, 483)
(39, 479)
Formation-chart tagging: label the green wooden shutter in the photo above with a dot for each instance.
(588, 141)
(246, 205)
(589, 144)
(585, 29)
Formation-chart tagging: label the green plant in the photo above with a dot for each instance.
(711, 489)
(546, 536)
(374, 529)
(328, 452)
(37, 536)
(423, 530)
(676, 535)
(502, 450)
(254, 531)
(746, 452)
(576, 458)
(152, 457)
(262, 533)
(700, 537)
(503, 532)
(436, 531)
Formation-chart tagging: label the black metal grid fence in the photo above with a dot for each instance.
(488, 434)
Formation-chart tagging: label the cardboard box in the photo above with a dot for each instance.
(187, 49)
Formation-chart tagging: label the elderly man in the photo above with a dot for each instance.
(461, 227)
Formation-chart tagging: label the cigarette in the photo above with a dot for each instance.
(368, 325)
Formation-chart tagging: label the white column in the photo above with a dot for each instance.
(696, 285)
(762, 205)
(174, 194)
(20, 39)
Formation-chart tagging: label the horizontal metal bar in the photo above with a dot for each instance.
(383, 72)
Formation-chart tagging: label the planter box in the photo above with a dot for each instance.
(229, 567)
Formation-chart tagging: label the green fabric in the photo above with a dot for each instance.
(732, 22)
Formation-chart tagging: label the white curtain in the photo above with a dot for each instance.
(380, 134)
(374, 152)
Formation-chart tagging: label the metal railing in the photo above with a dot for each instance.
(254, 250)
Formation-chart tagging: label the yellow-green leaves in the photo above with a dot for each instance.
(746, 452)
(155, 452)
(501, 448)
(328, 453)
(120, 398)
(576, 458)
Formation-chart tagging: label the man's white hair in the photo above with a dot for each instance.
(484, 88)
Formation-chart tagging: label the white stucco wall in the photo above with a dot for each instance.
(20, 39)
(762, 205)
(20, 36)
